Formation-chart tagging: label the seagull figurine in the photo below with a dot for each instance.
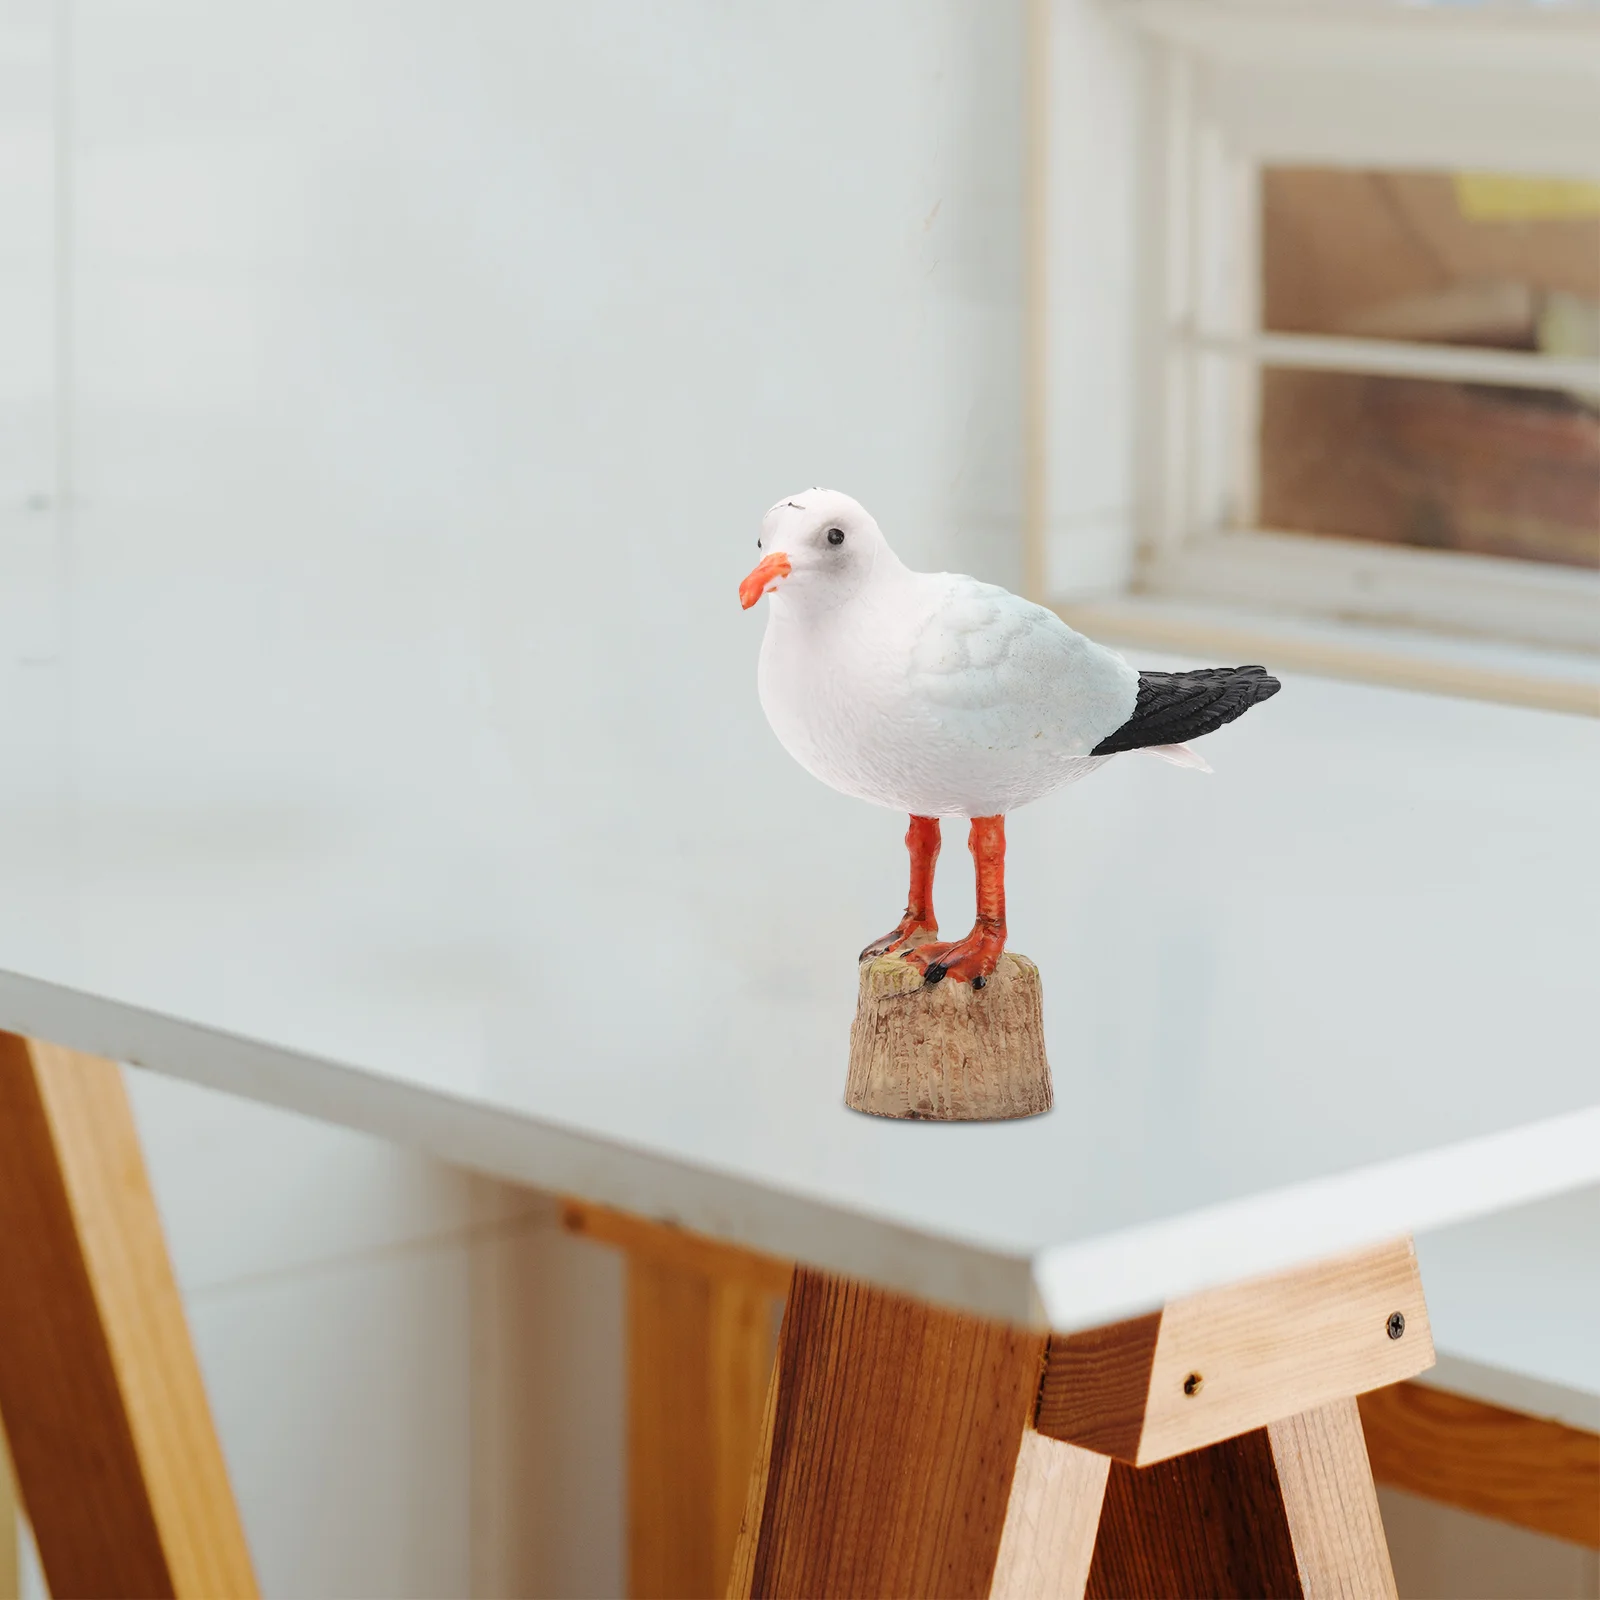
(940, 696)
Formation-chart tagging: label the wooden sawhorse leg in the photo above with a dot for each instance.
(700, 1324)
(1213, 1448)
(116, 1459)
(10, 1545)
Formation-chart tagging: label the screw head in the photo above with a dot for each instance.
(1193, 1384)
(1396, 1324)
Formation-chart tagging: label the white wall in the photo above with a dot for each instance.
(1100, 275)
(457, 296)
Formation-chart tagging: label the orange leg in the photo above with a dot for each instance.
(922, 844)
(976, 956)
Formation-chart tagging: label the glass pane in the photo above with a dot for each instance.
(1451, 466)
(1455, 258)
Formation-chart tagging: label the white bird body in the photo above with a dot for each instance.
(938, 695)
(941, 696)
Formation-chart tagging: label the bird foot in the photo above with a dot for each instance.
(907, 932)
(970, 960)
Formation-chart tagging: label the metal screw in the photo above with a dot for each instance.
(1396, 1324)
(1193, 1384)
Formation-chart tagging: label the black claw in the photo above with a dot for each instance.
(979, 981)
(934, 973)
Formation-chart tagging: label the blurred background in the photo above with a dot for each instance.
(1247, 330)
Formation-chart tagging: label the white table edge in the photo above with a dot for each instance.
(1066, 1287)
(1122, 1274)
(518, 1148)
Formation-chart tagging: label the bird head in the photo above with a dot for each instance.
(818, 548)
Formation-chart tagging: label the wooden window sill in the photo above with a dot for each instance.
(1437, 664)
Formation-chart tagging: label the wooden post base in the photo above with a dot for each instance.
(948, 1052)
(904, 1449)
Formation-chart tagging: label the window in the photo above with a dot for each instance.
(1376, 272)
(1376, 385)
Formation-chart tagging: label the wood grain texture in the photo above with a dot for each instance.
(1096, 1384)
(740, 1353)
(700, 1346)
(1287, 1510)
(1497, 1463)
(1331, 1505)
(10, 1544)
(1281, 1345)
(1211, 1523)
(669, 1441)
(699, 1353)
(742, 1572)
(1269, 1348)
(949, 1052)
(895, 1433)
(676, 1246)
(1048, 1540)
(111, 1435)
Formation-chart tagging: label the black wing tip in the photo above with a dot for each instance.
(1265, 684)
(1176, 706)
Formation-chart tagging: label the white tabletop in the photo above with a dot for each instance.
(1514, 1299)
(1337, 991)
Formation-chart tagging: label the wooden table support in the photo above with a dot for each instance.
(10, 1545)
(901, 1465)
(115, 1454)
(1528, 1471)
(1214, 1448)
(701, 1321)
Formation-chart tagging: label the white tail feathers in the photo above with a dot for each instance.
(1180, 755)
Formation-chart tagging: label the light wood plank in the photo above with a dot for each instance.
(670, 1244)
(110, 1431)
(699, 1354)
(1218, 1364)
(740, 1350)
(1485, 1459)
(700, 1345)
(10, 1543)
(1048, 1540)
(669, 1440)
(1282, 1345)
(1332, 1508)
(742, 1573)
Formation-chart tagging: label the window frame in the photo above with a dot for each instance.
(1239, 87)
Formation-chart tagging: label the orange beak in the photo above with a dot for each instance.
(764, 579)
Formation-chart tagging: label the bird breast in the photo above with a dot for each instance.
(940, 696)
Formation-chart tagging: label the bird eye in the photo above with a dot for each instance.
(758, 544)
(835, 535)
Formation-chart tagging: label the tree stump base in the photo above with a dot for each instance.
(948, 1052)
